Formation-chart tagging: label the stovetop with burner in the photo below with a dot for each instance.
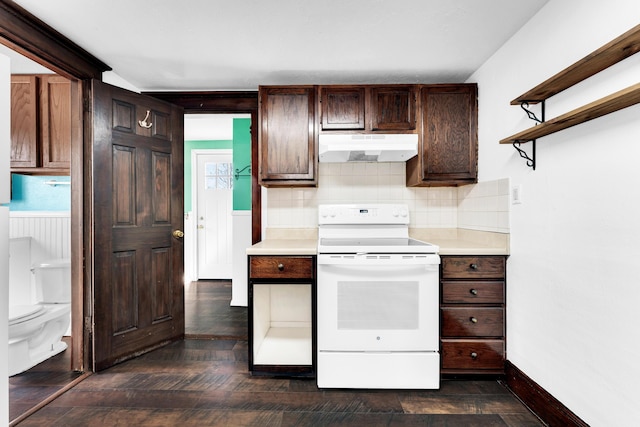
(367, 228)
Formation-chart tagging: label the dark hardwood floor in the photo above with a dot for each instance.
(205, 382)
(208, 313)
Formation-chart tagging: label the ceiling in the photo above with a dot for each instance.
(165, 45)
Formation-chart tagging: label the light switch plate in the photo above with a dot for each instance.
(516, 194)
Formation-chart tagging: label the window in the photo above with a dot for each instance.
(218, 176)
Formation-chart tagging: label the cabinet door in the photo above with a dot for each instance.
(24, 124)
(342, 108)
(55, 121)
(450, 136)
(393, 107)
(287, 136)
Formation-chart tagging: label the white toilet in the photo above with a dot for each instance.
(37, 324)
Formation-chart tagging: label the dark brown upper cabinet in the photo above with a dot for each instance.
(41, 124)
(448, 147)
(24, 122)
(287, 148)
(393, 108)
(342, 107)
(368, 108)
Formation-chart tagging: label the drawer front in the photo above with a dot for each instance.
(472, 354)
(472, 322)
(467, 292)
(274, 267)
(468, 267)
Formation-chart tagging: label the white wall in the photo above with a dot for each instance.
(573, 278)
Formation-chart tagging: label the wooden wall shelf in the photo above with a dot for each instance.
(614, 102)
(611, 53)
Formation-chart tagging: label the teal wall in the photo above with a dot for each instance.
(241, 159)
(30, 193)
(241, 145)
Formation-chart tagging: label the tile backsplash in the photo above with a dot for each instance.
(483, 206)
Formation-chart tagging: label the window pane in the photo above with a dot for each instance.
(210, 168)
(210, 183)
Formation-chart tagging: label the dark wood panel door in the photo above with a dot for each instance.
(24, 121)
(137, 205)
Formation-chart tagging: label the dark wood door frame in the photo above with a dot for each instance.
(31, 37)
(214, 102)
(35, 40)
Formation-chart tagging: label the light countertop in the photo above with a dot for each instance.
(284, 247)
(452, 241)
(299, 241)
(460, 241)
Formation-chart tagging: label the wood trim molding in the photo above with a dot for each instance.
(227, 102)
(541, 402)
(240, 102)
(33, 38)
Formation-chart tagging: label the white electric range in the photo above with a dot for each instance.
(378, 292)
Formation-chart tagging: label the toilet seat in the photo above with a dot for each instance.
(23, 313)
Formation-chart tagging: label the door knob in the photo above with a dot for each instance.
(178, 234)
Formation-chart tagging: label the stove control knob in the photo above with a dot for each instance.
(403, 213)
(395, 213)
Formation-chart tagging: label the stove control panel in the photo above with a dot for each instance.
(363, 214)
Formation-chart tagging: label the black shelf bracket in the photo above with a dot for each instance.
(531, 160)
(238, 173)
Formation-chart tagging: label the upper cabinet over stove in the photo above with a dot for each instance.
(367, 108)
(445, 117)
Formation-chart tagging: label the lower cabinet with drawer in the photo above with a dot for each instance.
(472, 315)
(282, 307)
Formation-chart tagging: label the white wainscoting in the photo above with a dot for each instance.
(50, 233)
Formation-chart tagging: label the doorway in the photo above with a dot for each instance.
(218, 185)
(45, 210)
(213, 206)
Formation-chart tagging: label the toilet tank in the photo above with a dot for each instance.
(53, 281)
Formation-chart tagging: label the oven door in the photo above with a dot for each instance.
(378, 302)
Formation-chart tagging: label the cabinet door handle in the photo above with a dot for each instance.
(473, 266)
(473, 319)
(474, 355)
(473, 291)
(281, 267)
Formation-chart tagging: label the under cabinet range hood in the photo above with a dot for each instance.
(340, 148)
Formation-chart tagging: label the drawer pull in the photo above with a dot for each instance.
(474, 355)
(473, 320)
(473, 266)
(473, 291)
(281, 267)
